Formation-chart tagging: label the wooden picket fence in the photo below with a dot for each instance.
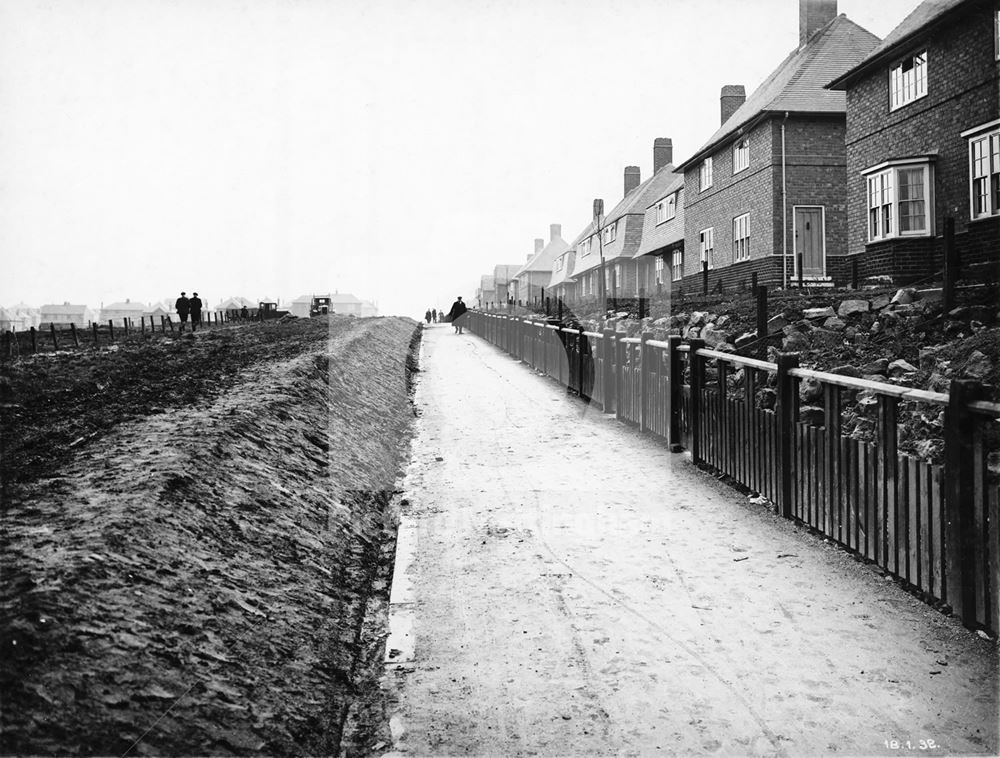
(938, 533)
(66, 336)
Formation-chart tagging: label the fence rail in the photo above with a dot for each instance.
(743, 418)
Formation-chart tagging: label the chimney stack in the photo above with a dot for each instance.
(732, 97)
(555, 232)
(663, 152)
(814, 14)
(539, 244)
(631, 178)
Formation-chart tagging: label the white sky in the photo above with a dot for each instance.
(389, 148)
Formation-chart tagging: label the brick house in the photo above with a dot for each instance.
(562, 284)
(923, 141)
(66, 313)
(118, 312)
(502, 274)
(661, 251)
(619, 234)
(529, 282)
(771, 181)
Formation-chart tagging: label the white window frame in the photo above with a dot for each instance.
(658, 267)
(677, 265)
(907, 85)
(996, 34)
(706, 241)
(617, 280)
(882, 192)
(671, 206)
(610, 233)
(984, 169)
(741, 154)
(741, 238)
(705, 174)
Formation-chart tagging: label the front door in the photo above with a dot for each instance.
(809, 240)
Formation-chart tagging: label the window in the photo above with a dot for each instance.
(607, 279)
(741, 238)
(666, 209)
(660, 265)
(707, 239)
(559, 263)
(741, 155)
(677, 265)
(610, 232)
(984, 155)
(899, 200)
(618, 276)
(705, 174)
(908, 80)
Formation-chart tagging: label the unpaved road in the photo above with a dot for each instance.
(575, 589)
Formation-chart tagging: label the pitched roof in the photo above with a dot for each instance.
(343, 297)
(125, 305)
(542, 260)
(925, 14)
(565, 274)
(64, 308)
(798, 84)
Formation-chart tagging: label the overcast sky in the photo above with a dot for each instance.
(392, 149)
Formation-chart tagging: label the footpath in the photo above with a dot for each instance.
(567, 586)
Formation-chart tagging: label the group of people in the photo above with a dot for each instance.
(189, 307)
(455, 315)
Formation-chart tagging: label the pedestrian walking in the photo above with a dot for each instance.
(183, 308)
(195, 304)
(457, 315)
(434, 315)
(427, 315)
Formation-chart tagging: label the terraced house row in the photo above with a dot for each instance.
(849, 156)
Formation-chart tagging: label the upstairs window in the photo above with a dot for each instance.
(908, 80)
(666, 209)
(610, 233)
(984, 156)
(741, 238)
(677, 265)
(741, 155)
(707, 241)
(705, 174)
(899, 200)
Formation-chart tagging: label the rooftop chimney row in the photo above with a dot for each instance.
(813, 15)
(663, 152)
(632, 179)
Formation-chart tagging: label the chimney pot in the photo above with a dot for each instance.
(730, 99)
(555, 232)
(813, 15)
(632, 178)
(663, 152)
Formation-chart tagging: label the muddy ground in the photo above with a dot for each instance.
(191, 532)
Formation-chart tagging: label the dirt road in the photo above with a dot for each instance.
(575, 589)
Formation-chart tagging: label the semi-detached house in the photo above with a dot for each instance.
(617, 236)
(923, 141)
(529, 282)
(770, 183)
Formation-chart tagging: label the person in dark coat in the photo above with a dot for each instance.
(427, 315)
(195, 303)
(434, 314)
(183, 308)
(457, 315)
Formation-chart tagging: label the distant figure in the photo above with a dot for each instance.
(183, 308)
(195, 303)
(434, 314)
(244, 313)
(428, 315)
(457, 315)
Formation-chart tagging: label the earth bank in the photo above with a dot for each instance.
(192, 531)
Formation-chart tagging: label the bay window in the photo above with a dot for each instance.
(984, 173)
(900, 199)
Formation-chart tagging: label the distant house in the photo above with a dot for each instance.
(23, 316)
(771, 182)
(502, 274)
(529, 282)
(236, 303)
(512, 289)
(923, 141)
(66, 313)
(487, 291)
(617, 236)
(118, 312)
(660, 257)
(301, 306)
(7, 321)
(561, 283)
(156, 311)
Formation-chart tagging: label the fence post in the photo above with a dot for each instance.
(798, 258)
(854, 272)
(675, 376)
(94, 325)
(582, 345)
(607, 353)
(34, 340)
(55, 339)
(125, 325)
(76, 337)
(785, 407)
(704, 277)
(959, 499)
(644, 362)
(111, 329)
(697, 384)
(888, 470)
(950, 263)
(170, 323)
(8, 348)
(761, 317)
